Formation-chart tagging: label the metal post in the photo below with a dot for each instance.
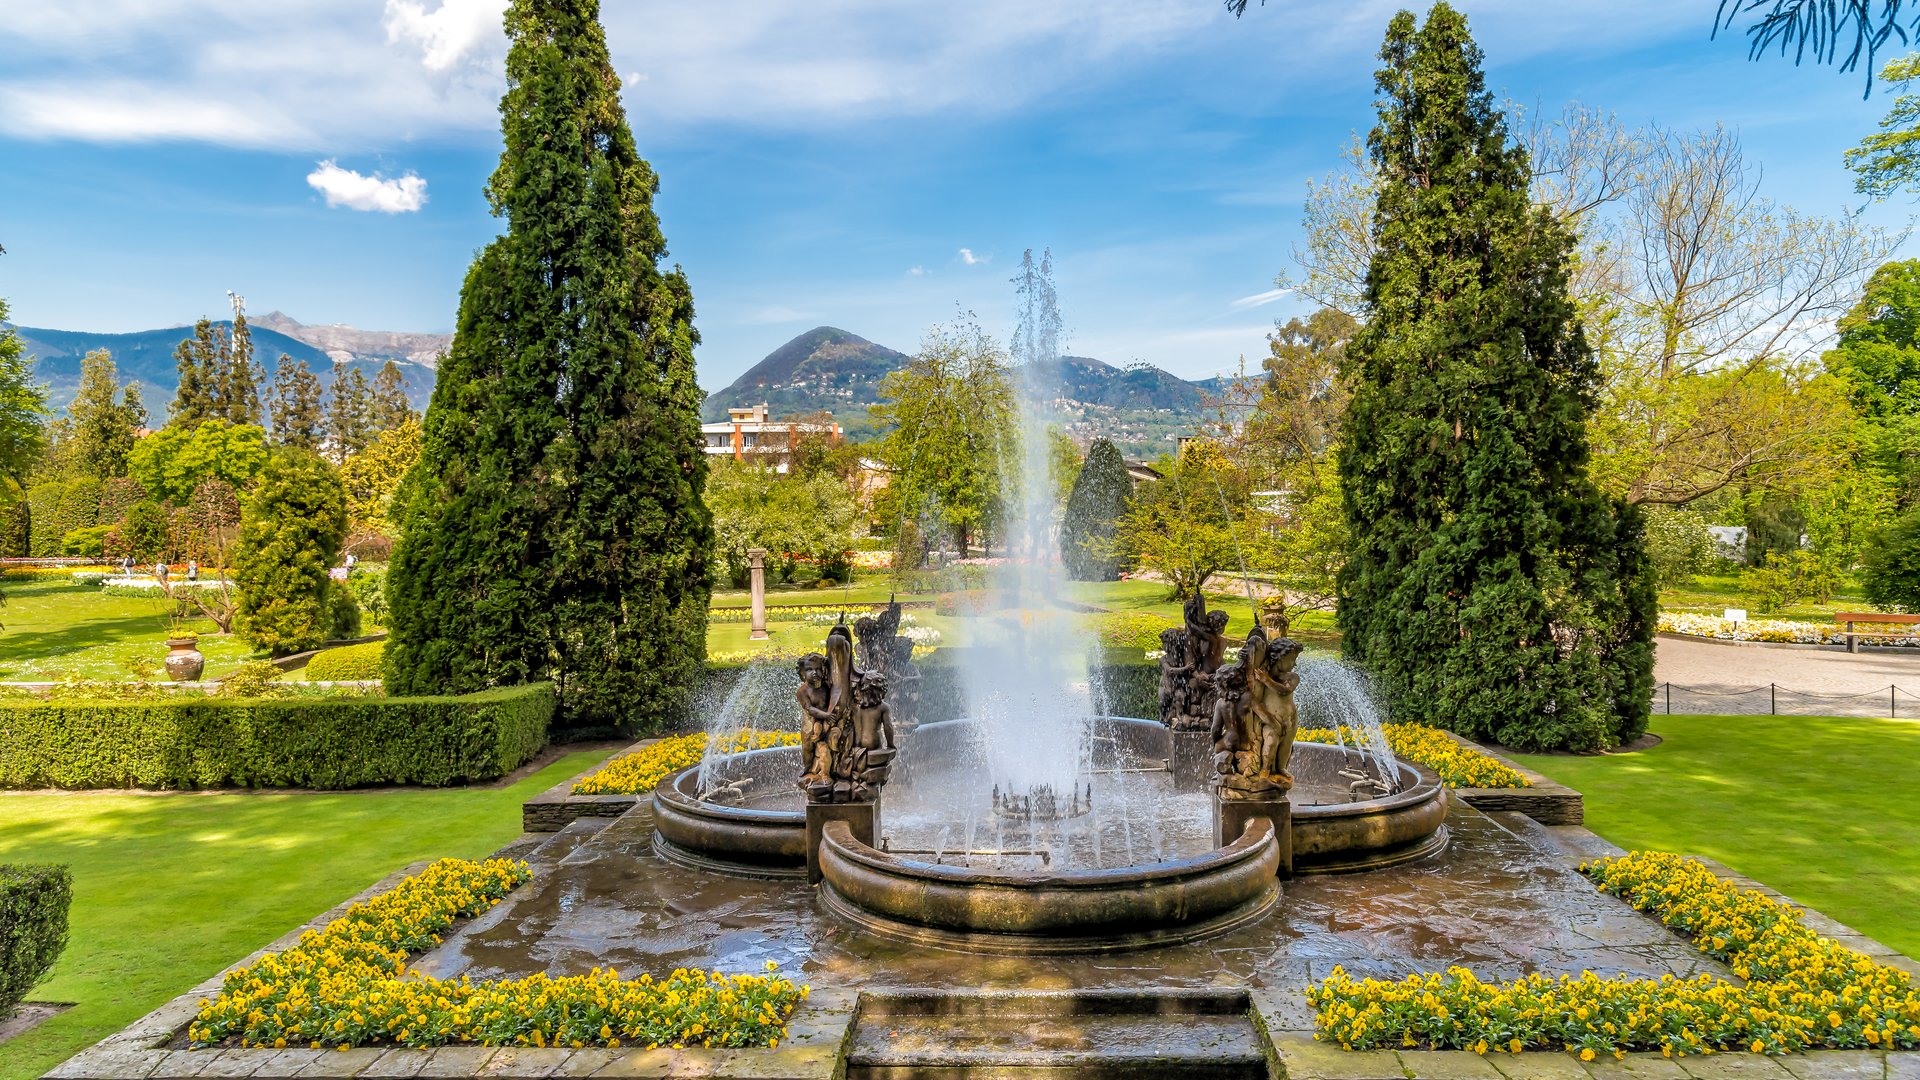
(1773, 699)
(1669, 687)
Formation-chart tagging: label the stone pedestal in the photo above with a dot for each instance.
(1230, 817)
(863, 818)
(1192, 761)
(757, 573)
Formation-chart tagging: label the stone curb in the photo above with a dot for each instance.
(557, 807)
(1546, 801)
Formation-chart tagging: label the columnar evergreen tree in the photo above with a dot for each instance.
(349, 411)
(195, 359)
(1490, 586)
(554, 527)
(298, 419)
(105, 417)
(290, 536)
(240, 377)
(1098, 502)
(388, 407)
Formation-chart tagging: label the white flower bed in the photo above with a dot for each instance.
(1780, 630)
(154, 583)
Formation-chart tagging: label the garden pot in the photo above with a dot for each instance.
(184, 661)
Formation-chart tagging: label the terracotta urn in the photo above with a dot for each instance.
(184, 661)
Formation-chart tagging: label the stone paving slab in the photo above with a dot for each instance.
(557, 807)
(1545, 800)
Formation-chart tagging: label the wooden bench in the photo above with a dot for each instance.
(1878, 618)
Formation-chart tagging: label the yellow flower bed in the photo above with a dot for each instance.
(1802, 991)
(35, 573)
(638, 772)
(347, 985)
(1457, 765)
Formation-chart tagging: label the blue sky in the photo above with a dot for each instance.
(868, 164)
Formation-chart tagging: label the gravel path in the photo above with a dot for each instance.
(1712, 677)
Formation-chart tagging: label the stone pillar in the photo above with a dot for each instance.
(757, 571)
(863, 818)
(1230, 817)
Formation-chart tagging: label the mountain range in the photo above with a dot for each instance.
(1142, 408)
(146, 356)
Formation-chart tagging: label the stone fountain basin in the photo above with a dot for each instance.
(1009, 912)
(764, 836)
(1334, 836)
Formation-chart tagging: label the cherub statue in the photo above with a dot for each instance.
(816, 721)
(1174, 672)
(872, 719)
(1232, 733)
(1271, 683)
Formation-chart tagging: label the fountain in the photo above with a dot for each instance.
(1037, 823)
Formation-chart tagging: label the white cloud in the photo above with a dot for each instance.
(1259, 299)
(344, 187)
(447, 34)
(917, 271)
(117, 112)
(968, 257)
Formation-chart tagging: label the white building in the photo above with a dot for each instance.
(748, 435)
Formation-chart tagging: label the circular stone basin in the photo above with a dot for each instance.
(762, 834)
(999, 911)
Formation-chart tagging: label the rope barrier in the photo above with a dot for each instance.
(1673, 699)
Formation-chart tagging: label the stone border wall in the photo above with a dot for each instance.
(557, 807)
(1547, 802)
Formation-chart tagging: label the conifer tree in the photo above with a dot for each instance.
(240, 377)
(349, 411)
(298, 419)
(290, 536)
(195, 359)
(554, 527)
(1490, 586)
(1098, 501)
(389, 408)
(105, 417)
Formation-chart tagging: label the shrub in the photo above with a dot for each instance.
(1132, 629)
(1679, 544)
(347, 985)
(1098, 502)
(290, 536)
(343, 613)
(349, 663)
(369, 589)
(256, 679)
(1890, 567)
(304, 742)
(33, 927)
(90, 542)
(58, 507)
(1788, 578)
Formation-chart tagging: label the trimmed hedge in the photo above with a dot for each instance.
(324, 742)
(33, 927)
(348, 663)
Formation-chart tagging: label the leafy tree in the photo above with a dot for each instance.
(1094, 508)
(58, 507)
(23, 433)
(372, 477)
(105, 417)
(387, 406)
(290, 537)
(349, 411)
(1820, 28)
(171, 462)
(207, 529)
(1189, 526)
(1788, 578)
(793, 517)
(297, 417)
(1890, 568)
(953, 418)
(143, 533)
(1490, 585)
(554, 527)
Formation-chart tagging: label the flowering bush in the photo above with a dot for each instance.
(1785, 630)
(792, 612)
(873, 560)
(347, 985)
(44, 573)
(637, 773)
(1458, 766)
(1802, 991)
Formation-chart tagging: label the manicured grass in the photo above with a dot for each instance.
(1820, 808)
(54, 628)
(1711, 594)
(724, 638)
(169, 889)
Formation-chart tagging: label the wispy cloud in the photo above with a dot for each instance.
(344, 187)
(969, 258)
(917, 271)
(1259, 299)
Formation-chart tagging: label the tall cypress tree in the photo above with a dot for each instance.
(349, 411)
(1098, 501)
(1490, 586)
(388, 408)
(105, 417)
(297, 417)
(554, 525)
(195, 359)
(240, 377)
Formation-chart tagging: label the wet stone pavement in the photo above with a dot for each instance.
(1501, 899)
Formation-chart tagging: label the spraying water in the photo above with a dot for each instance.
(761, 699)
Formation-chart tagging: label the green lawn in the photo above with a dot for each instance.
(1711, 594)
(52, 628)
(169, 889)
(1820, 808)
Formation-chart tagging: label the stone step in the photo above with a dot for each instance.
(1053, 1037)
(563, 843)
